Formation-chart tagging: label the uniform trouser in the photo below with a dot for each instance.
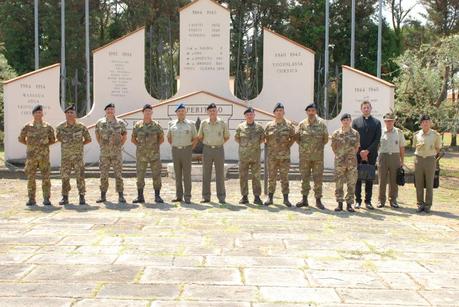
(254, 166)
(214, 156)
(387, 172)
(345, 174)
(314, 167)
(115, 161)
(31, 169)
(182, 168)
(67, 166)
(155, 166)
(282, 167)
(424, 173)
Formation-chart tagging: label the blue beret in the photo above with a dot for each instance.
(70, 108)
(311, 106)
(147, 106)
(180, 106)
(345, 116)
(110, 105)
(278, 105)
(249, 110)
(211, 106)
(38, 107)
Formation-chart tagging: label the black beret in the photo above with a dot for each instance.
(211, 106)
(147, 106)
(110, 105)
(180, 106)
(311, 106)
(278, 105)
(249, 110)
(424, 117)
(38, 107)
(70, 108)
(345, 116)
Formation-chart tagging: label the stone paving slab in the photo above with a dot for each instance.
(211, 255)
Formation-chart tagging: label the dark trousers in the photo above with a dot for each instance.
(368, 183)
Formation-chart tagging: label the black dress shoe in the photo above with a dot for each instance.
(381, 205)
(222, 201)
(358, 205)
(244, 200)
(369, 206)
(394, 205)
(177, 200)
(187, 201)
(205, 200)
(421, 207)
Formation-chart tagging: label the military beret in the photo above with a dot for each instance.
(180, 106)
(345, 116)
(249, 110)
(311, 106)
(278, 105)
(38, 107)
(211, 106)
(389, 116)
(110, 105)
(70, 108)
(147, 106)
(424, 117)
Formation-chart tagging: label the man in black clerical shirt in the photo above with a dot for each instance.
(369, 129)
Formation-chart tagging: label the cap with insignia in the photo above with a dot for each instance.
(249, 110)
(424, 117)
(37, 108)
(70, 108)
(147, 106)
(211, 106)
(278, 105)
(389, 116)
(110, 105)
(346, 116)
(311, 106)
(179, 106)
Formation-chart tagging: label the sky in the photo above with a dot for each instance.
(415, 13)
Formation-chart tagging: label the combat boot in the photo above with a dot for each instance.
(244, 200)
(64, 201)
(257, 200)
(31, 202)
(319, 204)
(340, 206)
(303, 202)
(269, 200)
(158, 198)
(349, 208)
(140, 198)
(82, 200)
(286, 201)
(46, 202)
(103, 197)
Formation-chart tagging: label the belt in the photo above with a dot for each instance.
(214, 146)
(181, 147)
(389, 153)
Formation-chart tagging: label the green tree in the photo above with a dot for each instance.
(6, 73)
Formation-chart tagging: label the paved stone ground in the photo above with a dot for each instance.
(209, 255)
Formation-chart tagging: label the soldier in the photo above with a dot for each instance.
(213, 133)
(369, 129)
(312, 135)
(428, 144)
(279, 136)
(249, 135)
(183, 137)
(391, 155)
(345, 144)
(73, 135)
(148, 135)
(111, 135)
(37, 135)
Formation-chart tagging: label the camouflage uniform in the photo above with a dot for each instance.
(73, 137)
(344, 145)
(110, 134)
(311, 138)
(38, 137)
(148, 136)
(279, 138)
(250, 137)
